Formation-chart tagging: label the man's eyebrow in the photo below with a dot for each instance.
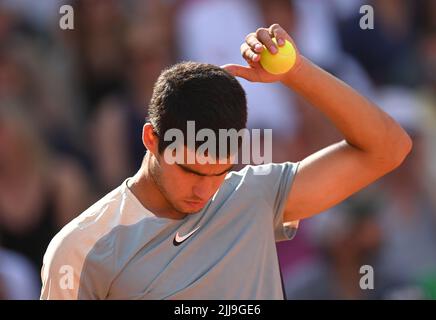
(187, 169)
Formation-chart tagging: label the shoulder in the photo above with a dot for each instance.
(263, 173)
(69, 250)
(76, 239)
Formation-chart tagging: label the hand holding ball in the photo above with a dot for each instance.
(282, 61)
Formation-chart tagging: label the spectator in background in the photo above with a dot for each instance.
(109, 144)
(388, 51)
(426, 20)
(118, 117)
(99, 54)
(348, 237)
(409, 215)
(34, 77)
(148, 26)
(39, 193)
(98, 37)
(19, 280)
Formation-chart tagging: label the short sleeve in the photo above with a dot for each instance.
(59, 273)
(69, 272)
(274, 181)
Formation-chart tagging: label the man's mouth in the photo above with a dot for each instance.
(196, 204)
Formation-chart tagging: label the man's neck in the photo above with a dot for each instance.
(143, 186)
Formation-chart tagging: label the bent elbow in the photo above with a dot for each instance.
(402, 146)
(393, 152)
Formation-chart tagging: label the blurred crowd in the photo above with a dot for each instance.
(73, 102)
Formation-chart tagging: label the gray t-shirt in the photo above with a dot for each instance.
(117, 249)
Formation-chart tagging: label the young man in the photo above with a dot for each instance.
(199, 230)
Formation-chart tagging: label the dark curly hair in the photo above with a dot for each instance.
(204, 93)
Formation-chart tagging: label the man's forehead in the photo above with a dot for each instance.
(207, 157)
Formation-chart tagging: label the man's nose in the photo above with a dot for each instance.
(202, 191)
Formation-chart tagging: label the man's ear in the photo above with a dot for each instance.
(149, 138)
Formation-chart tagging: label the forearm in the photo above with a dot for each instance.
(363, 125)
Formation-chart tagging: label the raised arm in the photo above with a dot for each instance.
(374, 144)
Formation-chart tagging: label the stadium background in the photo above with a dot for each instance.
(72, 104)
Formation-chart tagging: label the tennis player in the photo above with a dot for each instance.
(203, 230)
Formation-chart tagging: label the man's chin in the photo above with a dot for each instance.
(192, 207)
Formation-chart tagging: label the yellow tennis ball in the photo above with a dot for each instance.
(282, 61)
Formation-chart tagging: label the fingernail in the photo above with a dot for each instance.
(281, 42)
(254, 57)
(258, 46)
(273, 49)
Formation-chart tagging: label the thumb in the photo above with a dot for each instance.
(240, 71)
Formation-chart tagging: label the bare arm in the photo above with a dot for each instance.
(373, 144)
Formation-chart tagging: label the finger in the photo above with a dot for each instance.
(254, 44)
(248, 54)
(264, 37)
(239, 71)
(280, 34)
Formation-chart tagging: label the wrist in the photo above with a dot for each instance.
(294, 74)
